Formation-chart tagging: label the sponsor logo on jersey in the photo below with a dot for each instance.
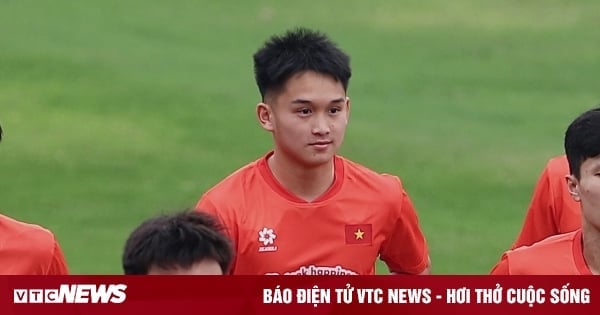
(313, 270)
(267, 237)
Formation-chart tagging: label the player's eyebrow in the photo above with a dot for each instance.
(338, 100)
(301, 101)
(304, 101)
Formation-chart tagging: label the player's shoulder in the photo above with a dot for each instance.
(558, 165)
(364, 176)
(11, 226)
(553, 255)
(546, 247)
(35, 239)
(235, 182)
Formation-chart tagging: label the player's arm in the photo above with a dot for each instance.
(58, 263)
(405, 251)
(501, 267)
(425, 272)
(539, 221)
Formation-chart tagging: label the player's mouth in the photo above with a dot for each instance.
(321, 144)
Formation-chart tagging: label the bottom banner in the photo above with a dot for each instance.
(263, 295)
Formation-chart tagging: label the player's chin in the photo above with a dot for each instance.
(319, 158)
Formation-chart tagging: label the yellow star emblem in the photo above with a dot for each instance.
(359, 234)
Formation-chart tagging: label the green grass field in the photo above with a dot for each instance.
(115, 111)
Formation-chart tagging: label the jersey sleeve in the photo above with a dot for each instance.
(405, 251)
(501, 267)
(58, 264)
(540, 219)
(206, 205)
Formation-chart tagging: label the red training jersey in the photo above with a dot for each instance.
(552, 210)
(28, 249)
(363, 215)
(556, 255)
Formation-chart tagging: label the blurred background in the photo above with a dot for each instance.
(115, 111)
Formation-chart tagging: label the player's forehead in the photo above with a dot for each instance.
(311, 88)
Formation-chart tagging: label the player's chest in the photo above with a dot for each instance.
(293, 230)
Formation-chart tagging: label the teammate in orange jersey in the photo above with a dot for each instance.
(184, 243)
(27, 249)
(576, 252)
(552, 210)
(302, 209)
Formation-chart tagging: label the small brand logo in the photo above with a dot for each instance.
(267, 237)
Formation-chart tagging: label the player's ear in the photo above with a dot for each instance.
(264, 114)
(347, 109)
(573, 186)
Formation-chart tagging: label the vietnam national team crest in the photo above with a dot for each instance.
(267, 237)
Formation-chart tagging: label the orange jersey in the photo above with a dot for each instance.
(556, 255)
(363, 216)
(552, 209)
(27, 249)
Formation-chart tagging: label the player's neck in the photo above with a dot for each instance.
(305, 183)
(591, 247)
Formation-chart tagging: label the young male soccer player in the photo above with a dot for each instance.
(551, 211)
(302, 209)
(28, 249)
(185, 243)
(577, 252)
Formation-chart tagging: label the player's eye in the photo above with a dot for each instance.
(304, 111)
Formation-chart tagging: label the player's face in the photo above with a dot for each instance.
(586, 190)
(203, 267)
(308, 118)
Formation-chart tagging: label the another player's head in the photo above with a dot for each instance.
(188, 242)
(582, 140)
(0, 133)
(582, 146)
(303, 77)
(299, 50)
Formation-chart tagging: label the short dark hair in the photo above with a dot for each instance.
(297, 51)
(176, 240)
(582, 139)
(0, 133)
